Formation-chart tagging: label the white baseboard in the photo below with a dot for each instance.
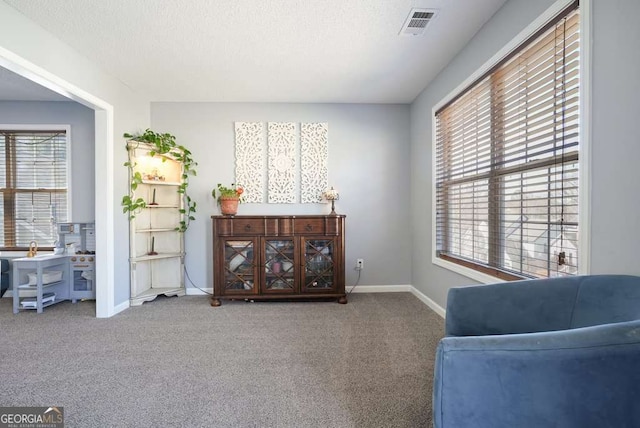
(192, 291)
(121, 307)
(379, 288)
(429, 302)
(401, 288)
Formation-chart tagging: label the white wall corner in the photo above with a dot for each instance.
(121, 307)
(399, 289)
(429, 302)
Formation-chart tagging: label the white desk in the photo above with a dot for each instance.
(39, 265)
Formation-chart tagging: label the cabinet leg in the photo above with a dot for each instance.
(215, 302)
(342, 300)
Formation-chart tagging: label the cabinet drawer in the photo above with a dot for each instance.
(309, 226)
(248, 226)
(239, 226)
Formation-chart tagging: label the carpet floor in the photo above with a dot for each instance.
(178, 362)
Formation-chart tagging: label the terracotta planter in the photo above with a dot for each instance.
(228, 205)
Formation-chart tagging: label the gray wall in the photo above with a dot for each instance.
(615, 212)
(615, 224)
(82, 124)
(368, 158)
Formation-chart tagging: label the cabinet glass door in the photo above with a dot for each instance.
(319, 261)
(279, 272)
(239, 267)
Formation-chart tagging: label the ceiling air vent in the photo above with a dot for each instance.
(417, 21)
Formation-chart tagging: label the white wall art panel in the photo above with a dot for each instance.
(250, 160)
(313, 159)
(282, 162)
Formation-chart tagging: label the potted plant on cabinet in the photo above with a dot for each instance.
(228, 198)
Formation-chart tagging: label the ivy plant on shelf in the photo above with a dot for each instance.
(163, 144)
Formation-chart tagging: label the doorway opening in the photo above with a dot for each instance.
(104, 144)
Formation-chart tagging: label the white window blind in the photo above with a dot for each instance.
(33, 183)
(507, 161)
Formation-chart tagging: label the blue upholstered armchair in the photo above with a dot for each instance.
(562, 352)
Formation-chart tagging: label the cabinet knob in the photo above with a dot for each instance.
(247, 227)
(309, 227)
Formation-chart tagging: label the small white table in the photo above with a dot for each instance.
(40, 265)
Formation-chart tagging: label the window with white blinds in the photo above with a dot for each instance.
(507, 161)
(33, 183)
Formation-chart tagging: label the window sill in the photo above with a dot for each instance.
(465, 271)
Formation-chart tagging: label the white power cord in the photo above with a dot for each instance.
(186, 273)
(357, 282)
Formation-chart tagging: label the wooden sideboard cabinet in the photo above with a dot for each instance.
(278, 257)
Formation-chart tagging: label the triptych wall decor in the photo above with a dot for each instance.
(282, 163)
(314, 173)
(296, 161)
(250, 159)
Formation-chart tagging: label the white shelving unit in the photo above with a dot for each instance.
(156, 247)
(39, 266)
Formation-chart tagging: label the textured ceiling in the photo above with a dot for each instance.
(263, 50)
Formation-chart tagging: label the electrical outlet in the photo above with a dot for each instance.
(359, 264)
